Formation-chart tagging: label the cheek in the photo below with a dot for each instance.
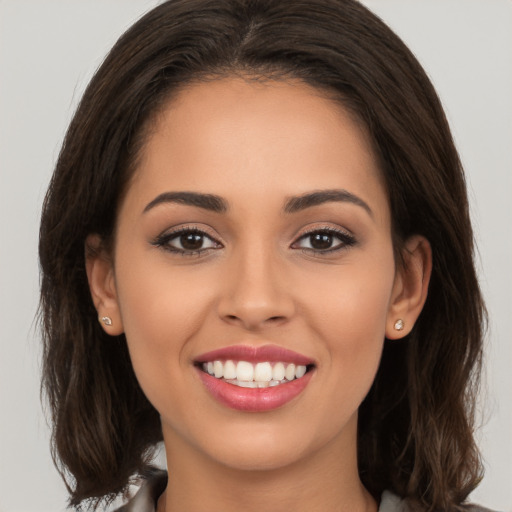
(354, 334)
(161, 312)
(354, 297)
(348, 309)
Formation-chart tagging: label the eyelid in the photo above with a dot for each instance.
(346, 237)
(325, 227)
(162, 240)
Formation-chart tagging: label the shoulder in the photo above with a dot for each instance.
(392, 503)
(148, 494)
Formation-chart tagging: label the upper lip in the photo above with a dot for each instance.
(255, 354)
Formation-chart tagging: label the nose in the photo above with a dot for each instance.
(256, 292)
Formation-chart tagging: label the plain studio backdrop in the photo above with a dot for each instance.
(48, 52)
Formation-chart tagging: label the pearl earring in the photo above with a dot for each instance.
(399, 325)
(106, 320)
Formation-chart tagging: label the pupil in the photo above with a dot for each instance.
(321, 241)
(191, 241)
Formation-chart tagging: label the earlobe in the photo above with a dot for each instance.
(101, 278)
(410, 287)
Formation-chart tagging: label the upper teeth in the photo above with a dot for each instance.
(264, 373)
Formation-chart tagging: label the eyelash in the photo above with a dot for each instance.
(346, 240)
(164, 240)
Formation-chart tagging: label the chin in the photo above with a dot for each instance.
(258, 458)
(269, 446)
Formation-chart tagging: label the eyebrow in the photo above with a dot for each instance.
(217, 204)
(299, 203)
(208, 202)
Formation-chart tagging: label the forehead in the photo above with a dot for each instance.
(253, 137)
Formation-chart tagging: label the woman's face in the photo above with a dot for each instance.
(256, 229)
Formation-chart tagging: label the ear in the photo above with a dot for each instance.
(410, 287)
(102, 285)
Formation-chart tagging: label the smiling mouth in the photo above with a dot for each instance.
(263, 374)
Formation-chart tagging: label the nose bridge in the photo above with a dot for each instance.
(255, 290)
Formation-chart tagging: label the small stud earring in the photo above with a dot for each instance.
(106, 320)
(399, 325)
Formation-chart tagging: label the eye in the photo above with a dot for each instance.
(186, 241)
(324, 240)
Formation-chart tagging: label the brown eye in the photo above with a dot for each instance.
(321, 241)
(187, 242)
(191, 241)
(324, 240)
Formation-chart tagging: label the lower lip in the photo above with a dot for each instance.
(254, 399)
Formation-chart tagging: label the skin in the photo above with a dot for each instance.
(259, 281)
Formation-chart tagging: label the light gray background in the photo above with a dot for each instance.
(49, 50)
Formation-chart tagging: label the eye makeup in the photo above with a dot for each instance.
(187, 241)
(194, 241)
(324, 240)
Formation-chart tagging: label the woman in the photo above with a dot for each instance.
(262, 204)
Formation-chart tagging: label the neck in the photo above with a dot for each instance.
(327, 481)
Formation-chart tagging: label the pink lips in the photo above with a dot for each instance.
(254, 399)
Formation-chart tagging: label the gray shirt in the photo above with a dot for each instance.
(147, 496)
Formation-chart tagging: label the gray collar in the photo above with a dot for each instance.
(147, 496)
(392, 503)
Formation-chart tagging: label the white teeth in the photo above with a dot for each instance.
(244, 371)
(290, 372)
(246, 384)
(300, 371)
(254, 384)
(260, 375)
(229, 370)
(218, 370)
(278, 371)
(263, 372)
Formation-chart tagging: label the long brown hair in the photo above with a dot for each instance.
(416, 424)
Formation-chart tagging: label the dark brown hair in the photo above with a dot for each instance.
(416, 424)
